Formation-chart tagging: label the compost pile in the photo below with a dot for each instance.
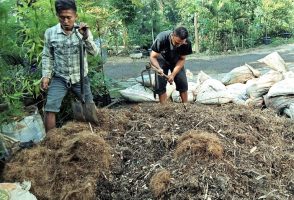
(150, 151)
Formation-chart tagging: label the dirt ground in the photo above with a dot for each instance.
(150, 151)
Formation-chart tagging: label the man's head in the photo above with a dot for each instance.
(179, 36)
(66, 11)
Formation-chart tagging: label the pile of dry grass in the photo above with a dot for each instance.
(201, 145)
(216, 152)
(65, 166)
(160, 182)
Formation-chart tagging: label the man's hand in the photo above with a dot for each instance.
(45, 83)
(160, 71)
(84, 30)
(171, 78)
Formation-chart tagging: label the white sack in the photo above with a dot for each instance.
(288, 74)
(290, 111)
(275, 62)
(238, 92)
(191, 93)
(263, 84)
(200, 79)
(137, 93)
(189, 75)
(240, 75)
(251, 82)
(255, 102)
(281, 95)
(146, 80)
(213, 91)
(282, 88)
(279, 103)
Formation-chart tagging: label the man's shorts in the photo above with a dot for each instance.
(180, 80)
(59, 87)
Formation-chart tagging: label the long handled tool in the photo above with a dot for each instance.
(154, 86)
(83, 111)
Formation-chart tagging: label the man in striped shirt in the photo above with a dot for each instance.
(60, 59)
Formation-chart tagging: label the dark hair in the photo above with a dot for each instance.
(181, 32)
(65, 5)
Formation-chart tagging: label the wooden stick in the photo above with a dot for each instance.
(158, 71)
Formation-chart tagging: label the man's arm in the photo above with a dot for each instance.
(90, 45)
(153, 59)
(179, 65)
(47, 62)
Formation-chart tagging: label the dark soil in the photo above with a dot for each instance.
(150, 151)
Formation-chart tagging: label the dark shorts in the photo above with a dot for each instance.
(180, 80)
(59, 87)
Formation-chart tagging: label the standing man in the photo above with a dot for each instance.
(169, 53)
(60, 59)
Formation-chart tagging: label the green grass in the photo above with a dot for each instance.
(280, 41)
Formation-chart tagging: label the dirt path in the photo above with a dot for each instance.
(122, 68)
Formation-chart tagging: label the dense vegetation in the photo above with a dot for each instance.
(215, 26)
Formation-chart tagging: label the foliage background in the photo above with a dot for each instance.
(124, 26)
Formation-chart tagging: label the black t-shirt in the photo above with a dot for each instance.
(169, 53)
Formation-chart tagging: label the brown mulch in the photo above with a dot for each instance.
(150, 151)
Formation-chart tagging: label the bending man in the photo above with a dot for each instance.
(169, 53)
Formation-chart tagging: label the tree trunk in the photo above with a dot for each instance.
(125, 39)
(196, 33)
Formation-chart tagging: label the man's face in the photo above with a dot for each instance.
(67, 19)
(177, 41)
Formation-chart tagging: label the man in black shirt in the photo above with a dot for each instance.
(169, 53)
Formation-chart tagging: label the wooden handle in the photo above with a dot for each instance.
(159, 72)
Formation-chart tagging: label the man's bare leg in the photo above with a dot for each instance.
(163, 98)
(184, 97)
(50, 121)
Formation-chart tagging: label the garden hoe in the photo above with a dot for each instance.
(83, 111)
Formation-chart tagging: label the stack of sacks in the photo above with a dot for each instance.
(240, 75)
(137, 93)
(261, 86)
(280, 96)
(235, 82)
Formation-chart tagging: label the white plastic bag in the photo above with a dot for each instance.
(30, 128)
(18, 191)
